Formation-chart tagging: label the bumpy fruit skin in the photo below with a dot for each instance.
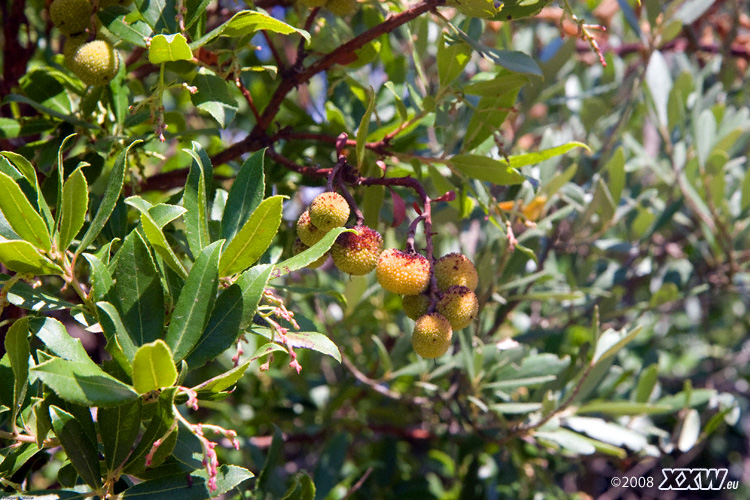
(329, 210)
(357, 253)
(455, 269)
(432, 336)
(95, 63)
(341, 7)
(459, 305)
(403, 273)
(70, 16)
(306, 230)
(415, 306)
(299, 247)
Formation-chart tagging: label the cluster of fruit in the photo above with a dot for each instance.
(406, 273)
(336, 7)
(95, 62)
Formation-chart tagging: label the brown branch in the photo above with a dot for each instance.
(248, 97)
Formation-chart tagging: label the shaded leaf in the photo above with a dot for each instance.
(79, 448)
(118, 428)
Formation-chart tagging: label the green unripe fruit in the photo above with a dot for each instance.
(455, 269)
(459, 305)
(306, 230)
(329, 210)
(70, 16)
(341, 7)
(432, 336)
(95, 63)
(357, 253)
(403, 273)
(415, 306)
(313, 3)
(299, 247)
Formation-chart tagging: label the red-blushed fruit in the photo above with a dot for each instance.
(70, 16)
(329, 210)
(95, 63)
(459, 305)
(455, 269)
(306, 230)
(357, 253)
(299, 247)
(432, 336)
(415, 306)
(403, 273)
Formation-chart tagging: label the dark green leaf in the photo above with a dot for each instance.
(161, 15)
(109, 200)
(83, 383)
(120, 21)
(79, 447)
(274, 454)
(119, 342)
(195, 302)
(229, 477)
(101, 278)
(17, 347)
(214, 96)
(162, 420)
(139, 292)
(173, 486)
(194, 199)
(118, 428)
(25, 296)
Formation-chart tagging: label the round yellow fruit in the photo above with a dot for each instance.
(432, 336)
(403, 273)
(329, 210)
(357, 253)
(70, 16)
(306, 230)
(415, 306)
(95, 63)
(459, 305)
(455, 269)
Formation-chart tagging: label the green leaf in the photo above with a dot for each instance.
(83, 383)
(659, 84)
(475, 8)
(25, 167)
(194, 199)
(21, 216)
(18, 350)
(307, 340)
(172, 486)
(254, 237)
(515, 408)
(109, 200)
(118, 428)
(611, 342)
(646, 383)
(195, 302)
(495, 86)
(246, 23)
(79, 448)
(153, 367)
(57, 339)
(100, 277)
(25, 296)
(244, 196)
(75, 202)
(452, 58)
(23, 257)
(119, 344)
(620, 408)
(523, 160)
(303, 259)
(517, 9)
(274, 454)
(364, 127)
(139, 291)
(167, 48)
(161, 15)
(154, 234)
(133, 31)
(16, 458)
(214, 96)
(228, 477)
(303, 488)
(486, 169)
(489, 115)
(163, 419)
(224, 380)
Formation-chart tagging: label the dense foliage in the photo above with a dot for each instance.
(164, 333)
